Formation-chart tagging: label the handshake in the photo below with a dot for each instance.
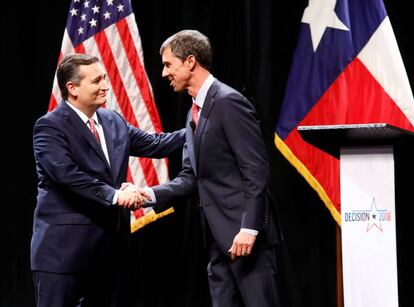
(132, 197)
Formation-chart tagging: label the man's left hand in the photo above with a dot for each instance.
(242, 245)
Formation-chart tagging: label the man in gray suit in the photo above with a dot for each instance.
(225, 158)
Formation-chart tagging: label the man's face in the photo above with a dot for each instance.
(91, 91)
(176, 70)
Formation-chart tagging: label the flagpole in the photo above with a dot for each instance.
(339, 276)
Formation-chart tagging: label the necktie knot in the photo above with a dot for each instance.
(194, 112)
(95, 133)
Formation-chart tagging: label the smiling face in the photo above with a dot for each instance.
(90, 93)
(176, 70)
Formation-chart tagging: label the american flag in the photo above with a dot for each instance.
(347, 69)
(108, 30)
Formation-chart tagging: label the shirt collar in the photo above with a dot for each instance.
(82, 115)
(202, 93)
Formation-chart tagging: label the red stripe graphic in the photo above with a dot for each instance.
(139, 72)
(122, 98)
(52, 103)
(354, 98)
(80, 49)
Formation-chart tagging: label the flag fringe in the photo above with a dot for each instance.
(149, 217)
(313, 182)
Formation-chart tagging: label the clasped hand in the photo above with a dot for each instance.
(132, 197)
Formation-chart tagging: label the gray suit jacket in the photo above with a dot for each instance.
(226, 159)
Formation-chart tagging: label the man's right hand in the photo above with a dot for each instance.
(131, 197)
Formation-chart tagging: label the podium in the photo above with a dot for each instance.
(368, 224)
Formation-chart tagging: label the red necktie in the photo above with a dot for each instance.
(95, 133)
(194, 112)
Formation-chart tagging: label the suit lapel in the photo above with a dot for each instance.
(189, 138)
(205, 112)
(109, 130)
(78, 125)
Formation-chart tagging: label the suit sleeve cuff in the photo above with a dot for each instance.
(151, 193)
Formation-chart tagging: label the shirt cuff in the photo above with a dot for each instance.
(115, 198)
(249, 231)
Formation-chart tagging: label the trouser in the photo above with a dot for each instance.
(248, 281)
(95, 289)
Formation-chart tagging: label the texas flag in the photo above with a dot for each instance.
(347, 69)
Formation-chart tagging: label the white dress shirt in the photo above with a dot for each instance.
(99, 128)
(199, 101)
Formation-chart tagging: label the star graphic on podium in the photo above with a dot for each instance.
(373, 221)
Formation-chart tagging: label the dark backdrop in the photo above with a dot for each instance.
(253, 45)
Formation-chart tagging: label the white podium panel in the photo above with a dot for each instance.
(369, 254)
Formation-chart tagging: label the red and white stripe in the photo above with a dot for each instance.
(119, 48)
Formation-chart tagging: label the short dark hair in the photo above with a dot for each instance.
(190, 42)
(68, 70)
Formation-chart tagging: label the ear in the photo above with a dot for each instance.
(72, 89)
(191, 60)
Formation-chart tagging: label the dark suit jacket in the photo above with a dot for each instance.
(75, 222)
(226, 158)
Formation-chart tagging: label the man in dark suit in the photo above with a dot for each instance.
(80, 225)
(225, 157)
